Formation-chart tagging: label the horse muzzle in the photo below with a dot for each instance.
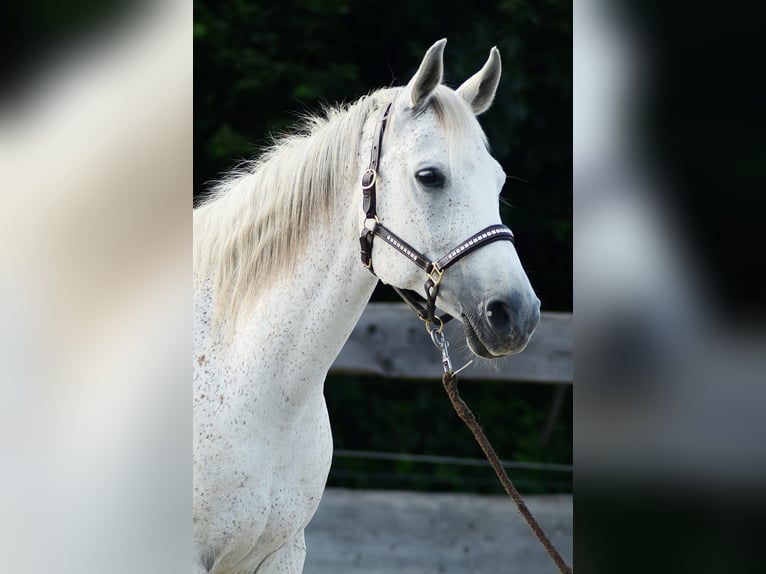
(501, 325)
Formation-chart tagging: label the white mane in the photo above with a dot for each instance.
(253, 225)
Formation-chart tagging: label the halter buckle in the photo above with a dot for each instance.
(371, 223)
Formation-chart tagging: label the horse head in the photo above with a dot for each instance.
(437, 185)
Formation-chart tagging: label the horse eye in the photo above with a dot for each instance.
(430, 177)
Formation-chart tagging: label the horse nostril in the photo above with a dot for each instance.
(498, 315)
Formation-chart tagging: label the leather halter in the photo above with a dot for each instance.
(425, 307)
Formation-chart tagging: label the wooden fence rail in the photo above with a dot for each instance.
(390, 341)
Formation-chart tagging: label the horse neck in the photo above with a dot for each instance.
(306, 317)
(301, 317)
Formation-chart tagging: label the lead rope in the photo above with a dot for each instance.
(449, 380)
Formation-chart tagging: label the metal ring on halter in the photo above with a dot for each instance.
(373, 179)
(431, 330)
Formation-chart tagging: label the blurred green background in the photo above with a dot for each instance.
(259, 65)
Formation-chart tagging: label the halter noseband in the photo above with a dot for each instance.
(424, 307)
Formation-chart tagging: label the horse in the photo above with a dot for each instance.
(279, 286)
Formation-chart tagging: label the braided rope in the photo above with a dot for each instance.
(449, 380)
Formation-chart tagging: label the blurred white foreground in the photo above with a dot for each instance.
(95, 173)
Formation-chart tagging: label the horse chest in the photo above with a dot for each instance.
(262, 455)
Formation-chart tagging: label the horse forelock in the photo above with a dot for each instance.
(457, 120)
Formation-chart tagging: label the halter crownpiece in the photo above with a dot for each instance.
(425, 307)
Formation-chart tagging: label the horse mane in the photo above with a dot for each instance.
(253, 225)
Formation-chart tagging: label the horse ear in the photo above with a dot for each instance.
(428, 76)
(479, 90)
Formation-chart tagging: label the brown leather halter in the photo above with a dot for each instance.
(425, 307)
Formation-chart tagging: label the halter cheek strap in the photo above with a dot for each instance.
(369, 183)
(425, 307)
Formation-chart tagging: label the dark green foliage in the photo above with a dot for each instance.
(400, 416)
